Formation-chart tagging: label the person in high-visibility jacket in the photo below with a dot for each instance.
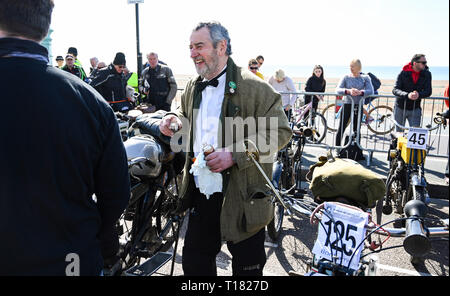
(132, 79)
(132, 83)
(73, 51)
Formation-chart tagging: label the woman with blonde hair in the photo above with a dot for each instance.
(354, 87)
(282, 83)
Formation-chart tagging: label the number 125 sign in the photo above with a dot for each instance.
(339, 239)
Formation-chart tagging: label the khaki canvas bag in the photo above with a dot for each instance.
(334, 177)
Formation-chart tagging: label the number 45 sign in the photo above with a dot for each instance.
(340, 235)
(417, 138)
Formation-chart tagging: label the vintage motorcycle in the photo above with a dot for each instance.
(149, 228)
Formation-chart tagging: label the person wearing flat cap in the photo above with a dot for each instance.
(111, 83)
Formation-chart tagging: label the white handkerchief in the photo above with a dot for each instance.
(208, 182)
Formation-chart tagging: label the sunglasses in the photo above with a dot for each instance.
(121, 67)
(253, 68)
(422, 62)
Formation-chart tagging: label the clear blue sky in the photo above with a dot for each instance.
(295, 32)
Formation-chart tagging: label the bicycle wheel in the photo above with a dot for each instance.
(286, 181)
(319, 127)
(274, 227)
(329, 113)
(167, 225)
(133, 230)
(378, 122)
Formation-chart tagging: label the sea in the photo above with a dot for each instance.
(382, 72)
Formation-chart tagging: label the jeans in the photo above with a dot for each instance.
(414, 117)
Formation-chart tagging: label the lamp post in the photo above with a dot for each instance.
(139, 54)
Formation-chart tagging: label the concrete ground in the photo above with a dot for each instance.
(293, 248)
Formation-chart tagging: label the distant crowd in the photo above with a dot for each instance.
(158, 86)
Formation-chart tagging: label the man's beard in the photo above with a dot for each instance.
(208, 68)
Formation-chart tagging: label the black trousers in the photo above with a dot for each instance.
(203, 242)
(344, 119)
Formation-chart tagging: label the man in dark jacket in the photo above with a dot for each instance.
(413, 84)
(71, 67)
(63, 148)
(111, 83)
(158, 83)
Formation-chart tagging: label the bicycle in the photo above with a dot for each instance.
(314, 121)
(375, 119)
(148, 227)
(286, 175)
(406, 178)
(344, 242)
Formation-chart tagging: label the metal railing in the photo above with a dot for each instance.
(437, 89)
(371, 142)
(367, 140)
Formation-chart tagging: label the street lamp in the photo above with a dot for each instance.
(139, 54)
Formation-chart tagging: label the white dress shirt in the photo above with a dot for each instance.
(206, 129)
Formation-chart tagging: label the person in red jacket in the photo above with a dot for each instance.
(413, 84)
(446, 95)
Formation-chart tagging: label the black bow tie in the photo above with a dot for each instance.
(213, 82)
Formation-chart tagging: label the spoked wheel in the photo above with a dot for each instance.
(274, 227)
(318, 125)
(168, 224)
(130, 230)
(286, 182)
(124, 226)
(331, 117)
(378, 121)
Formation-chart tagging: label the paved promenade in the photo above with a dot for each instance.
(293, 248)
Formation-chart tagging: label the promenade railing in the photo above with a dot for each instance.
(368, 140)
(378, 141)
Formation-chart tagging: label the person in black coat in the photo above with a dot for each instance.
(111, 83)
(412, 84)
(71, 67)
(63, 146)
(315, 83)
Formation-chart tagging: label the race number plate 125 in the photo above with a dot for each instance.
(417, 138)
(339, 239)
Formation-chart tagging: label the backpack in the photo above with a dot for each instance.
(376, 83)
(332, 178)
(352, 151)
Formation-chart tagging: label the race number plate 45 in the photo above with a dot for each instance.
(342, 230)
(417, 138)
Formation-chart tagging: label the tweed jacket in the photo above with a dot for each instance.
(247, 206)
